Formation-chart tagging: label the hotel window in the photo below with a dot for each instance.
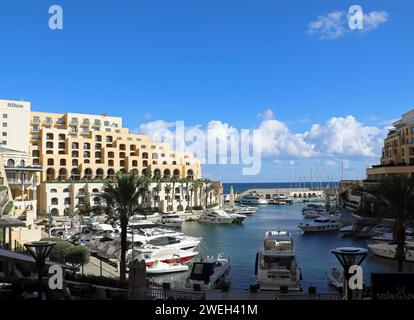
(98, 138)
(60, 121)
(74, 121)
(85, 130)
(4, 115)
(153, 147)
(48, 120)
(35, 128)
(62, 162)
(50, 162)
(86, 154)
(86, 122)
(75, 145)
(106, 123)
(4, 142)
(35, 153)
(108, 129)
(75, 163)
(4, 134)
(98, 146)
(4, 124)
(35, 162)
(49, 145)
(115, 125)
(109, 139)
(143, 147)
(36, 119)
(86, 146)
(97, 122)
(61, 145)
(75, 154)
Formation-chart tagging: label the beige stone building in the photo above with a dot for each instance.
(398, 152)
(78, 152)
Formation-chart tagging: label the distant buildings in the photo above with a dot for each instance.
(398, 152)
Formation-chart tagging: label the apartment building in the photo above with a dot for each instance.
(77, 152)
(398, 152)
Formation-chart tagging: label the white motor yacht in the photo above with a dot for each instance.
(164, 255)
(252, 199)
(216, 216)
(388, 250)
(237, 218)
(210, 273)
(276, 265)
(159, 267)
(172, 241)
(171, 220)
(322, 224)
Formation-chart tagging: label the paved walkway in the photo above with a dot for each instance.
(94, 267)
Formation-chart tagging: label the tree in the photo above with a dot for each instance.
(124, 194)
(167, 190)
(207, 184)
(174, 181)
(394, 198)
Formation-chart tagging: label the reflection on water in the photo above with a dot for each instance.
(241, 242)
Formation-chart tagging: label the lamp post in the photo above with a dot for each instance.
(40, 250)
(348, 257)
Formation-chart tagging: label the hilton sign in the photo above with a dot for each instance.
(15, 105)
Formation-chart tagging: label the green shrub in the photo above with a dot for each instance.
(98, 280)
(197, 208)
(7, 208)
(210, 206)
(3, 188)
(77, 255)
(180, 208)
(64, 251)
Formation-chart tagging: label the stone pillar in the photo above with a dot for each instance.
(137, 280)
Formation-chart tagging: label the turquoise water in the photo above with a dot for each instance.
(241, 242)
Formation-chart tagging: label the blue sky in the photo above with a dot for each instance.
(226, 61)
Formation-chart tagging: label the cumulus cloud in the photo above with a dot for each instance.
(334, 25)
(266, 114)
(346, 137)
(338, 139)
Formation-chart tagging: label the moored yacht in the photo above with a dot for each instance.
(210, 273)
(216, 216)
(171, 220)
(276, 265)
(322, 224)
(388, 250)
(252, 199)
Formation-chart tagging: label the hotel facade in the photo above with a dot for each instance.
(71, 155)
(397, 156)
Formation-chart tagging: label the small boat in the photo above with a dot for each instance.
(389, 237)
(336, 277)
(252, 199)
(216, 216)
(347, 231)
(322, 224)
(210, 273)
(276, 266)
(388, 250)
(168, 256)
(244, 210)
(171, 220)
(159, 267)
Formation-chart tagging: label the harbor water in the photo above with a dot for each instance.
(242, 242)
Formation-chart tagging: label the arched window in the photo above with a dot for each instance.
(97, 201)
(68, 201)
(54, 212)
(75, 145)
(75, 174)
(50, 174)
(122, 147)
(111, 163)
(134, 163)
(111, 173)
(111, 154)
(145, 155)
(75, 154)
(49, 136)
(62, 174)
(62, 162)
(176, 173)
(50, 162)
(88, 173)
(22, 163)
(55, 201)
(10, 163)
(75, 162)
(49, 145)
(167, 174)
(190, 174)
(53, 190)
(99, 174)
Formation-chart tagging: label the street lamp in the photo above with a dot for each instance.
(348, 257)
(40, 250)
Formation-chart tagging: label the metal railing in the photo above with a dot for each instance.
(325, 297)
(172, 295)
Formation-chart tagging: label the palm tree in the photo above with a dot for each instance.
(124, 194)
(394, 198)
(206, 183)
(167, 190)
(157, 178)
(174, 180)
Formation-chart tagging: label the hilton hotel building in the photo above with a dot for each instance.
(74, 154)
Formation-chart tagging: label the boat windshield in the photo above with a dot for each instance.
(202, 271)
(272, 262)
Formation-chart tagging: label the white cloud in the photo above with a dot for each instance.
(334, 25)
(346, 137)
(338, 139)
(373, 19)
(267, 114)
(329, 26)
